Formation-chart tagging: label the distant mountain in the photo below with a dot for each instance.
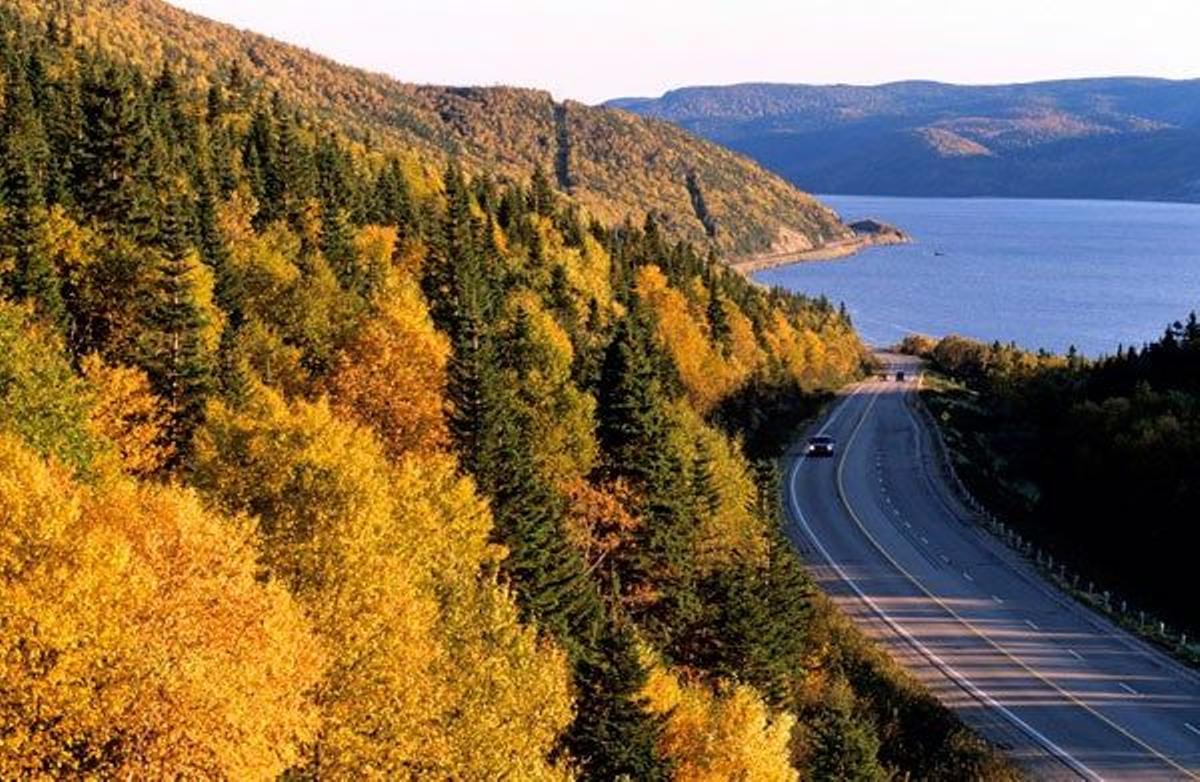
(614, 164)
(1088, 138)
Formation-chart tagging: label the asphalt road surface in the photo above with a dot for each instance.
(1066, 693)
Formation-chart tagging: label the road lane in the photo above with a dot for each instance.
(1069, 694)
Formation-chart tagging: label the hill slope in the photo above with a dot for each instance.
(316, 465)
(1094, 138)
(615, 164)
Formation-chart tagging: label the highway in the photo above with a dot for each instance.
(1064, 692)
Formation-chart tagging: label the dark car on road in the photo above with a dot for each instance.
(820, 445)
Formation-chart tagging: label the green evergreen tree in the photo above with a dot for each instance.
(391, 203)
(542, 200)
(613, 737)
(292, 178)
(754, 624)
(337, 245)
(173, 350)
(846, 747)
(114, 179)
(25, 161)
(718, 321)
(704, 485)
(634, 428)
(551, 582)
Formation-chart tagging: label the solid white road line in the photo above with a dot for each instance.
(997, 600)
(945, 667)
(1192, 728)
(1127, 688)
(912, 418)
(967, 576)
(1075, 654)
(1032, 626)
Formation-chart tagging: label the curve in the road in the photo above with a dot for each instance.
(958, 678)
(1137, 757)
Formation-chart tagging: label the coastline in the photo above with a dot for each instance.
(826, 252)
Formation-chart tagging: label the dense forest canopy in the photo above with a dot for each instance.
(1080, 453)
(332, 459)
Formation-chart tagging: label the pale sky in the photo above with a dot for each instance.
(600, 49)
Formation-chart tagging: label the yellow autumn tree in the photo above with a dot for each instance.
(374, 249)
(139, 640)
(561, 413)
(429, 666)
(728, 528)
(587, 267)
(718, 736)
(392, 376)
(707, 376)
(126, 413)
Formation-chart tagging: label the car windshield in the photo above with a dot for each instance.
(820, 440)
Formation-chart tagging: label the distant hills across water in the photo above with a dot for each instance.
(1128, 138)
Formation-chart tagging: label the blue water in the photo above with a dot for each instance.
(1043, 274)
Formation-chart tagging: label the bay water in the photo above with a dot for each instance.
(1041, 273)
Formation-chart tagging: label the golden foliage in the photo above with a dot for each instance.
(429, 666)
(618, 163)
(707, 375)
(138, 639)
(730, 530)
(392, 376)
(714, 737)
(126, 413)
(561, 413)
(598, 522)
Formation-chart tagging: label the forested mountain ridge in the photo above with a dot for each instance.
(616, 165)
(1130, 138)
(320, 460)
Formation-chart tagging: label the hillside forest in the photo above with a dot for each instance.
(322, 459)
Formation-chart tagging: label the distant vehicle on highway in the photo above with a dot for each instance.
(899, 377)
(820, 445)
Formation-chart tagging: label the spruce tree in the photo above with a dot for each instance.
(391, 201)
(551, 582)
(845, 746)
(174, 354)
(634, 427)
(25, 161)
(613, 737)
(718, 321)
(114, 179)
(753, 629)
(34, 277)
(541, 194)
(337, 245)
